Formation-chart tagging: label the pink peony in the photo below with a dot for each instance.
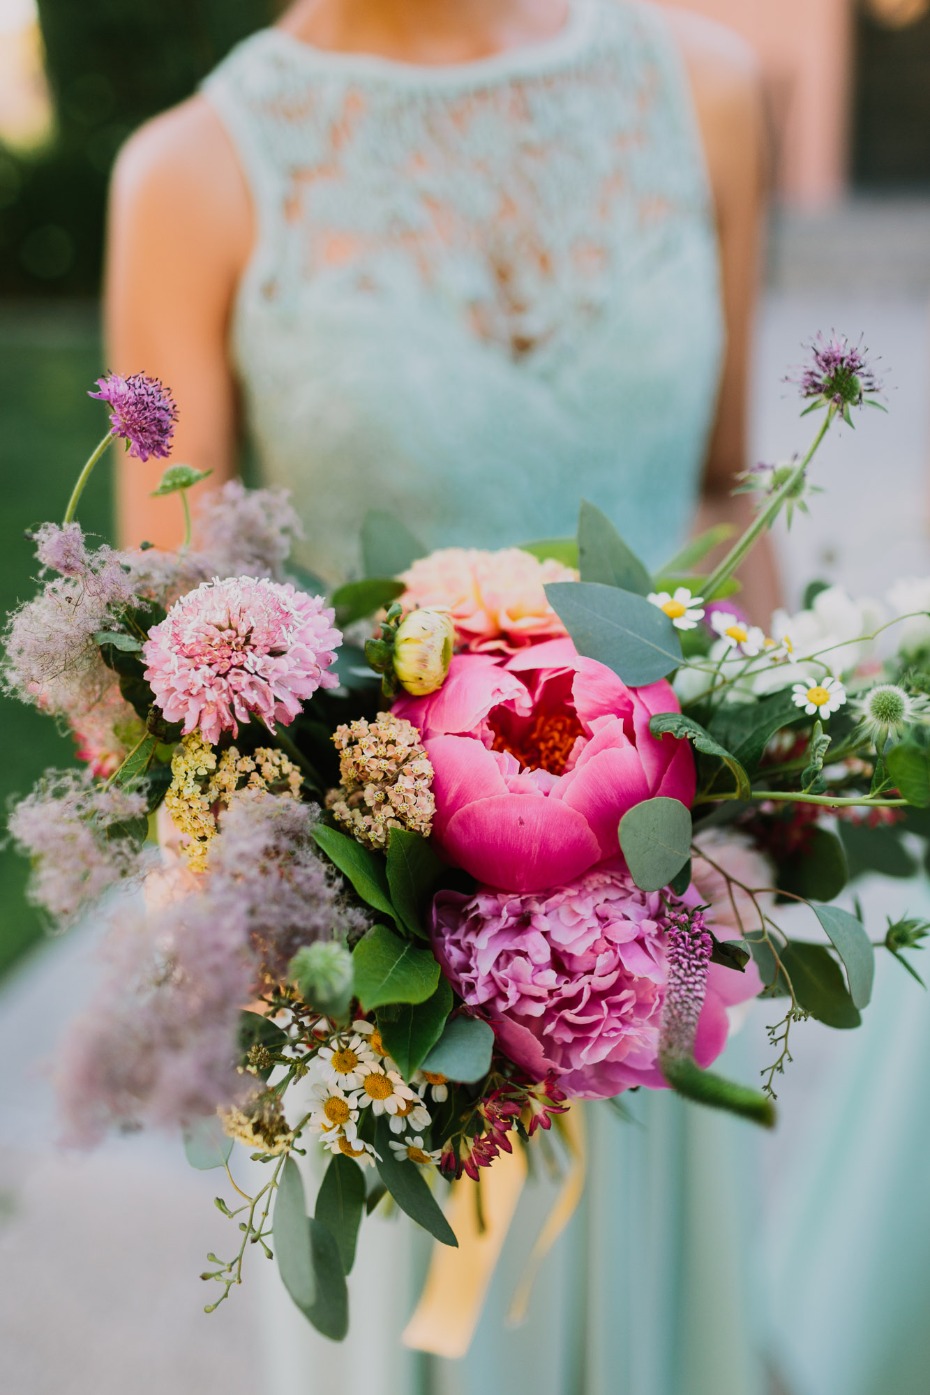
(496, 599)
(237, 647)
(573, 981)
(537, 759)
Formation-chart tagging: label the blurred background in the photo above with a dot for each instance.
(848, 102)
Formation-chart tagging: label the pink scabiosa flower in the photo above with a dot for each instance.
(142, 413)
(573, 981)
(234, 648)
(837, 373)
(536, 760)
(496, 599)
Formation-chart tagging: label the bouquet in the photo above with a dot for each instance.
(415, 867)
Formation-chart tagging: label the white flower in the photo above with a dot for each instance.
(384, 1090)
(415, 1150)
(412, 1114)
(357, 1148)
(332, 1111)
(372, 1039)
(820, 697)
(346, 1061)
(835, 623)
(438, 1084)
(737, 634)
(905, 597)
(683, 609)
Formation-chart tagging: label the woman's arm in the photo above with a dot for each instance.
(180, 230)
(728, 96)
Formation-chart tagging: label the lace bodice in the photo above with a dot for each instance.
(479, 292)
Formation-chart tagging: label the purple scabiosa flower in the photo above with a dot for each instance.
(837, 373)
(142, 413)
(247, 532)
(688, 949)
(67, 826)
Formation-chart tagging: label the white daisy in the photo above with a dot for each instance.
(371, 1036)
(412, 1114)
(332, 1110)
(820, 697)
(438, 1084)
(415, 1150)
(684, 610)
(737, 634)
(384, 1090)
(346, 1060)
(357, 1148)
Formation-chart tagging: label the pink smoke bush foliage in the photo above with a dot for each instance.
(573, 980)
(237, 648)
(537, 759)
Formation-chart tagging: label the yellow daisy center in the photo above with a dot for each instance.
(336, 1110)
(433, 1079)
(675, 609)
(344, 1062)
(417, 1155)
(404, 1108)
(378, 1087)
(377, 1044)
(346, 1147)
(818, 696)
(738, 633)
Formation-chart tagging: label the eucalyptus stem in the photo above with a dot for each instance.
(83, 477)
(766, 517)
(830, 801)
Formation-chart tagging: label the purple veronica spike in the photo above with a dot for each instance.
(688, 950)
(143, 413)
(837, 372)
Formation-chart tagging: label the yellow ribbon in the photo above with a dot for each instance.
(457, 1283)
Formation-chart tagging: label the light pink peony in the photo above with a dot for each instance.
(573, 981)
(537, 759)
(234, 648)
(496, 599)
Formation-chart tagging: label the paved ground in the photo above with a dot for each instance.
(99, 1255)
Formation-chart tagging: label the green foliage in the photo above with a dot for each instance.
(359, 599)
(362, 867)
(818, 984)
(817, 871)
(604, 557)
(407, 1185)
(564, 550)
(136, 764)
(851, 942)
(622, 630)
(677, 724)
(875, 850)
(340, 1205)
(115, 639)
(412, 1030)
(391, 970)
(655, 838)
(745, 729)
(908, 933)
(309, 1259)
(323, 975)
(413, 870)
(817, 750)
(463, 1052)
(909, 771)
(179, 477)
(686, 1078)
(206, 1146)
(388, 546)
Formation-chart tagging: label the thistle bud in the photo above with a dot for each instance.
(423, 650)
(322, 975)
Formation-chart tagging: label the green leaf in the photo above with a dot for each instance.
(688, 1080)
(255, 1030)
(677, 724)
(178, 477)
(697, 549)
(655, 838)
(622, 630)
(909, 769)
(876, 850)
(463, 1052)
(391, 970)
(731, 954)
(359, 599)
(137, 762)
(362, 867)
(413, 869)
(745, 729)
(818, 984)
(604, 556)
(817, 871)
(852, 944)
(127, 644)
(414, 1029)
(388, 546)
(340, 1205)
(308, 1259)
(564, 550)
(408, 1187)
(206, 1145)
(680, 883)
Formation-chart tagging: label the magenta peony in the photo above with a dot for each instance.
(234, 648)
(573, 981)
(537, 759)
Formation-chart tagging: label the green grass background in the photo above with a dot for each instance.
(49, 359)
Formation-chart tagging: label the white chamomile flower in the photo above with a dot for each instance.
(438, 1084)
(737, 634)
(384, 1090)
(886, 710)
(415, 1150)
(412, 1114)
(357, 1148)
(684, 610)
(346, 1061)
(371, 1037)
(332, 1110)
(820, 697)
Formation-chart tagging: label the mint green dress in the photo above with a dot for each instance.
(481, 293)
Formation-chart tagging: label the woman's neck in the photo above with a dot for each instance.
(426, 31)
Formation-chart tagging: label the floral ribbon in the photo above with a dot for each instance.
(450, 1305)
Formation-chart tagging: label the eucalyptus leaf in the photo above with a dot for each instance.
(329, 1313)
(818, 870)
(463, 1052)
(852, 944)
(655, 838)
(909, 770)
(357, 600)
(876, 850)
(564, 550)
(680, 883)
(362, 867)
(818, 984)
(291, 1239)
(340, 1205)
(407, 1185)
(677, 724)
(411, 1032)
(127, 644)
(413, 869)
(206, 1146)
(618, 628)
(391, 970)
(604, 556)
(178, 477)
(388, 546)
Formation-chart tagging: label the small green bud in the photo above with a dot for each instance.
(423, 648)
(322, 975)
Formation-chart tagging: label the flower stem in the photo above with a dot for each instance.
(830, 801)
(188, 526)
(83, 477)
(766, 516)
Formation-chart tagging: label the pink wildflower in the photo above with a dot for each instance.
(142, 413)
(239, 647)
